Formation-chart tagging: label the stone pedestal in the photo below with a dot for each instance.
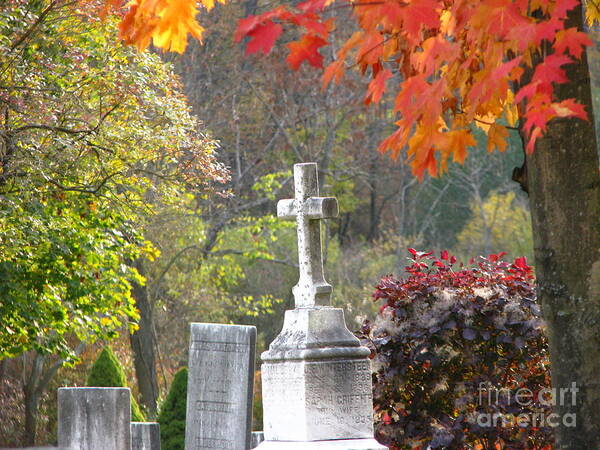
(340, 444)
(316, 385)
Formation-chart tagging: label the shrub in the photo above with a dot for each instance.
(172, 414)
(452, 346)
(108, 372)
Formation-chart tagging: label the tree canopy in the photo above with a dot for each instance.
(92, 134)
(494, 63)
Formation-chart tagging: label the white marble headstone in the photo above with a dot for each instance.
(220, 383)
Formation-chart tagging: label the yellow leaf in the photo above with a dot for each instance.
(447, 22)
(485, 121)
(177, 19)
(511, 111)
(592, 12)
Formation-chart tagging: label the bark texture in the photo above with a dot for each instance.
(142, 345)
(564, 190)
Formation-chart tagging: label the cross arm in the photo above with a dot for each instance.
(314, 208)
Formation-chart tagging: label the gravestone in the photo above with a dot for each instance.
(316, 377)
(220, 381)
(94, 418)
(145, 436)
(256, 438)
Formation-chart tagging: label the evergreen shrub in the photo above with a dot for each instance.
(452, 347)
(107, 371)
(172, 414)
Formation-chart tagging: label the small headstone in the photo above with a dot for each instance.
(145, 436)
(257, 438)
(220, 382)
(94, 418)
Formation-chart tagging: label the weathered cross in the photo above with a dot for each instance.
(308, 208)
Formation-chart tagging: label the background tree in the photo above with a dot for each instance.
(91, 135)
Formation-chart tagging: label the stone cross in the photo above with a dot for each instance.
(308, 208)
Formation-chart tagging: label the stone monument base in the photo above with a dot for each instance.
(338, 444)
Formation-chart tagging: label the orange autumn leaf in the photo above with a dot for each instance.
(165, 23)
(306, 49)
(377, 87)
(457, 142)
(335, 70)
(497, 137)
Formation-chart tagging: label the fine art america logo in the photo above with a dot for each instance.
(526, 399)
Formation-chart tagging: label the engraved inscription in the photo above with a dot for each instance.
(333, 399)
(223, 444)
(216, 346)
(222, 407)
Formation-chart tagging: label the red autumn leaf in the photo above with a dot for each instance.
(549, 71)
(245, 26)
(561, 8)
(572, 40)
(521, 263)
(527, 91)
(495, 257)
(312, 5)
(312, 23)
(377, 86)
(306, 49)
(536, 133)
(444, 255)
(503, 17)
(262, 37)
(523, 34)
(418, 14)
(570, 108)
(429, 163)
(546, 30)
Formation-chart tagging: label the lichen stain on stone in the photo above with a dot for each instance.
(594, 284)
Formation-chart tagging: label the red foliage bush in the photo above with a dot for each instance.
(453, 347)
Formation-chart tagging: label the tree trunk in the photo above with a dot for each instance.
(142, 345)
(31, 415)
(31, 394)
(564, 189)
